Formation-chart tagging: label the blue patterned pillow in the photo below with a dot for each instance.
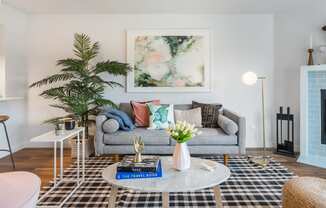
(160, 117)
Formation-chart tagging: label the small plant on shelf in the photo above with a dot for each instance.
(78, 88)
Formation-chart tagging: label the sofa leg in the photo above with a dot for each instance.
(226, 159)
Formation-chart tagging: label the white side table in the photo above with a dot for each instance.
(52, 137)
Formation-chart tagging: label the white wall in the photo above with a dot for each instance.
(292, 32)
(14, 27)
(239, 43)
(2, 62)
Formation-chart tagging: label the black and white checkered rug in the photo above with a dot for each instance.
(248, 186)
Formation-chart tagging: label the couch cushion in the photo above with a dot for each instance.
(192, 116)
(160, 117)
(183, 107)
(141, 112)
(150, 137)
(110, 126)
(127, 108)
(209, 113)
(228, 126)
(212, 136)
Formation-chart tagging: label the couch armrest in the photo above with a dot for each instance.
(241, 121)
(99, 134)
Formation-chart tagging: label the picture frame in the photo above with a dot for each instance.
(168, 60)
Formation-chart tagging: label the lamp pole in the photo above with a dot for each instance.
(250, 78)
(263, 112)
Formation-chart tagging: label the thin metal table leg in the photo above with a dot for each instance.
(56, 183)
(55, 163)
(165, 200)
(113, 196)
(9, 146)
(78, 152)
(83, 156)
(61, 160)
(218, 198)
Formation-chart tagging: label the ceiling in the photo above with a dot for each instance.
(164, 6)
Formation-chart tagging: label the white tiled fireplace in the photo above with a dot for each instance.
(312, 111)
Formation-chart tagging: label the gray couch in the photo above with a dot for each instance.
(211, 141)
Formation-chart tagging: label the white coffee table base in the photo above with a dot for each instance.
(165, 197)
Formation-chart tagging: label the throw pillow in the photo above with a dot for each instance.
(110, 126)
(192, 116)
(141, 112)
(123, 119)
(228, 126)
(160, 117)
(209, 113)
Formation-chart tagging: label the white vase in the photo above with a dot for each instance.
(181, 157)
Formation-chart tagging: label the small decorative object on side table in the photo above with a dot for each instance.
(139, 148)
(60, 127)
(181, 133)
(70, 124)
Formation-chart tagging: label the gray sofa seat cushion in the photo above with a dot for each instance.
(212, 136)
(150, 137)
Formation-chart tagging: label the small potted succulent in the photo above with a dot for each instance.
(182, 132)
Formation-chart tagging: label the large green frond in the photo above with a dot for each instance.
(62, 107)
(57, 119)
(83, 47)
(101, 81)
(55, 93)
(103, 102)
(71, 65)
(112, 67)
(52, 79)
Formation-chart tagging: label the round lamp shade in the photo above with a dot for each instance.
(249, 78)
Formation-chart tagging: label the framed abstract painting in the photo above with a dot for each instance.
(168, 60)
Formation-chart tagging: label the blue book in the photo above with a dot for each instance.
(138, 175)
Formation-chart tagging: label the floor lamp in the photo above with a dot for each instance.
(250, 78)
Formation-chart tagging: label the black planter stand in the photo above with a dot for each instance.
(285, 139)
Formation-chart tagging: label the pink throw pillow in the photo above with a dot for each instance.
(141, 112)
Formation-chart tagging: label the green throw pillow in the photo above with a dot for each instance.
(160, 116)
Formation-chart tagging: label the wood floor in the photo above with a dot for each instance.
(39, 161)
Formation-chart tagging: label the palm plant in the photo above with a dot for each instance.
(78, 88)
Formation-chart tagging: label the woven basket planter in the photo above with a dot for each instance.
(89, 147)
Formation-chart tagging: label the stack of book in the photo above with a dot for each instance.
(150, 167)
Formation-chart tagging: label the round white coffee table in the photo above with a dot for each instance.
(195, 178)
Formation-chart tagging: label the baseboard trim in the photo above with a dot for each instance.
(259, 149)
